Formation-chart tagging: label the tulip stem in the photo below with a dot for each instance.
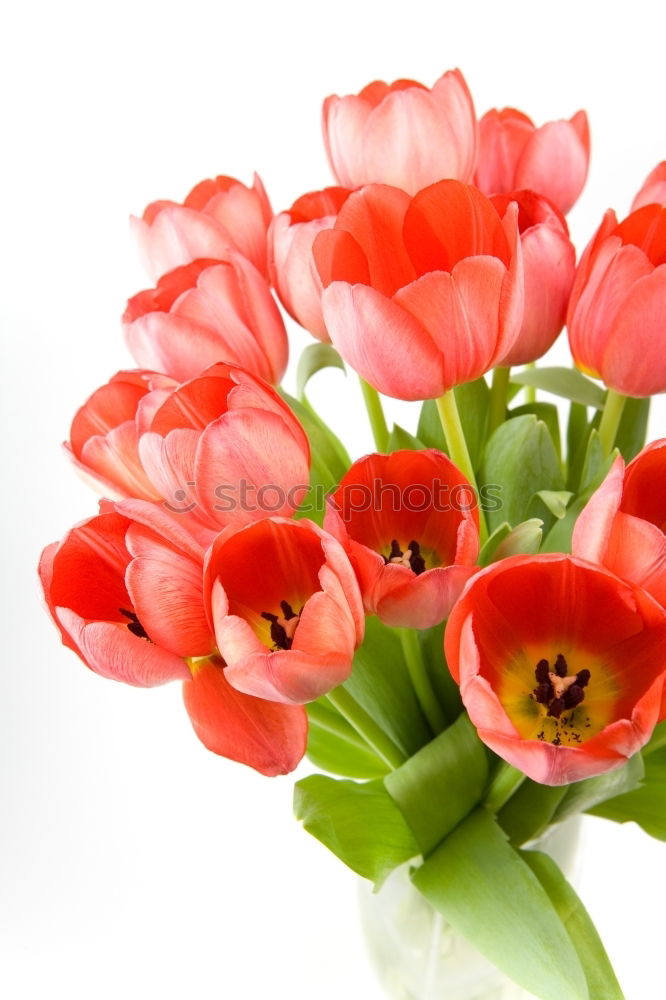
(507, 780)
(610, 419)
(457, 445)
(498, 398)
(421, 682)
(530, 390)
(373, 405)
(366, 727)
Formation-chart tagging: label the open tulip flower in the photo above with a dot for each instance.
(290, 262)
(510, 556)
(409, 524)
(219, 449)
(205, 312)
(285, 607)
(560, 665)
(623, 525)
(217, 216)
(130, 603)
(617, 305)
(402, 133)
(552, 160)
(406, 279)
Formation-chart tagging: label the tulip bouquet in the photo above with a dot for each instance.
(465, 631)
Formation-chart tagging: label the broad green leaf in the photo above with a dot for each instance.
(381, 685)
(441, 784)
(360, 823)
(488, 550)
(594, 468)
(334, 746)
(313, 359)
(520, 460)
(565, 382)
(472, 399)
(402, 440)
(524, 539)
(547, 412)
(632, 432)
(484, 888)
(556, 501)
(584, 795)
(530, 810)
(432, 650)
(601, 980)
(646, 805)
(577, 435)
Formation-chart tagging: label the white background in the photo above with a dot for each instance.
(133, 863)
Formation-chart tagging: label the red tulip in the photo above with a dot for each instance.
(409, 524)
(623, 525)
(217, 216)
(286, 609)
(552, 160)
(616, 311)
(653, 191)
(402, 133)
(560, 665)
(207, 312)
(290, 261)
(130, 603)
(421, 294)
(220, 449)
(549, 262)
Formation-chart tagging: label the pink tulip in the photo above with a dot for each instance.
(617, 305)
(622, 526)
(285, 607)
(290, 261)
(653, 191)
(402, 133)
(549, 262)
(217, 216)
(219, 449)
(407, 279)
(560, 665)
(129, 602)
(409, 524)
(207, 312)
(552, 160)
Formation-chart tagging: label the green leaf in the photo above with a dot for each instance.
(521, 460)
(313, 359)
(524, 539)
(530, 810)
(432, 651)
(547, 412)
(380, 683)
(441, 784)
(484, 888)
(646, 805)
(359, 823)
(487, 553)
(632, 432)
(556, 501)
(601, 980)
(584, 795)
(335, 746)
(594, 468)
(402, 440)
(565, 382)
(472, 400)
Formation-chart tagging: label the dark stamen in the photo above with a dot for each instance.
(583, 678)
(541, 672)
(556, 707)
(287, 611)
(560, 691)
(134, 625)
(561, 667)
(416, 560)
(574, 696)
(279, 637)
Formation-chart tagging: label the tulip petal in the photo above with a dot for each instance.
(632, 358)
(594, 525)
(555, 162)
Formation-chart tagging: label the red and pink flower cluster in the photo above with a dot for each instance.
(442, 254)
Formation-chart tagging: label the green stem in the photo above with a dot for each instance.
(610, 419)
(507, 780)
(421, 681)
(498, 398)
(366, 727)
(457, 445)
(530, 390)
(373, 405)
